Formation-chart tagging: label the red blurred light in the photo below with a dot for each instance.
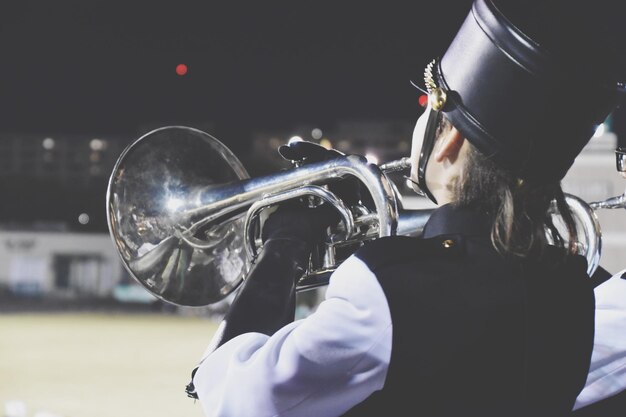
(181, 69)
(423, 100)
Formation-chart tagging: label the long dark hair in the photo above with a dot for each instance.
(520, 210)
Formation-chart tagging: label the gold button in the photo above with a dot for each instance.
(448, 243)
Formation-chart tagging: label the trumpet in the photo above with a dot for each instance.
(186, 217)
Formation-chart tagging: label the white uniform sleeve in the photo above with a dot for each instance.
(322, 365)
(607, 373)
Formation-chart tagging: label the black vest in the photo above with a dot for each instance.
(475, 334)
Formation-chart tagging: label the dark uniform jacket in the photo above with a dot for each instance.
(475, 334)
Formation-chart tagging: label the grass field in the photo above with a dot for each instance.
(98, 365)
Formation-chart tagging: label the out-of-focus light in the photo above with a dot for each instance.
(371, 158)
(83, 218)
(96, 144)
(316, 133)
(48, 143)
(423, 100)
(181, 69)
(404, 146)
(275, 142)
(294, 139)
(343, 145)
(94, 157)
(174, 204)
(326, 143)
(599, 130)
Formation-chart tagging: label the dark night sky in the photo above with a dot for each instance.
(105, 66)
(102, 65)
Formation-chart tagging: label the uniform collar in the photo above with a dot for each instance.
(451, 220)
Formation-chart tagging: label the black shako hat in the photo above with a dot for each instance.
(516, 101)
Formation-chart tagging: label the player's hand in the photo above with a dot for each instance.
(348, 189)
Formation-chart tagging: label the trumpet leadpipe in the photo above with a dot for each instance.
(397, 165)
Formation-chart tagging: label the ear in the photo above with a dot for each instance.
(450, 145)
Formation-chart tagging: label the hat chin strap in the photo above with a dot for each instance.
(427, 148)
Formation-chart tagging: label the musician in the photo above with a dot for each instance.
(605, 390)
(480, 316)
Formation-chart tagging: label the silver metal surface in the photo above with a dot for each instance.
(307, 190)
(620, 159)
(398, 165)
(149, 195)
(588, 231)
(616, 202)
